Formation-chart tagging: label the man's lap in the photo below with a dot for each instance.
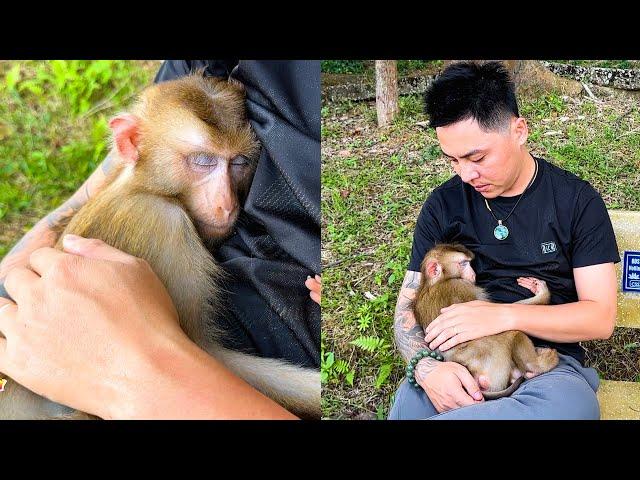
(566, 392)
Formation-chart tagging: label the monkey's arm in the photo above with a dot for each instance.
(45, 233)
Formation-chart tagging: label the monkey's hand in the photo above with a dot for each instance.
(538, 287)
(449, 385)
(315, 287)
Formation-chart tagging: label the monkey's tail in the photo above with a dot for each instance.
(295, 388)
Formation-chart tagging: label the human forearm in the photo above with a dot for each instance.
(180, 381)
(409, 335)
(571, 322)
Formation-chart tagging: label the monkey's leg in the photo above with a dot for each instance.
(530, 360)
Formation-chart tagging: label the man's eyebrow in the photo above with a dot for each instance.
(466, 155)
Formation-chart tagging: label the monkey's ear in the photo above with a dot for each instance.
(433, 269)
(126, 136)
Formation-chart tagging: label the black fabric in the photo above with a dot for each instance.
(558, 208)
(277, 240)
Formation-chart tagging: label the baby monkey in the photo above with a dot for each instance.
(447, 278)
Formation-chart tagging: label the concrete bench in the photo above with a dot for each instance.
(621, 400)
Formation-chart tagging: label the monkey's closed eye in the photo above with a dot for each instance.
(203, 160)
(240, 161)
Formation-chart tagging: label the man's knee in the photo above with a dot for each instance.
(561, 396)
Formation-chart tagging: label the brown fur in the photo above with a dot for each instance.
(142, 213)
(495, 356)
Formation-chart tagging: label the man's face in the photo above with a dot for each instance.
(489, 161)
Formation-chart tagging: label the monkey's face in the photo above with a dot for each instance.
(490, 161)
(460, 267)
(220, 183)
(215, 171)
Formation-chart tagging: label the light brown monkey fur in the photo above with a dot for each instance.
(151, 209)
(447, 278)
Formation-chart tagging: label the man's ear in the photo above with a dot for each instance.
(125, 129)
(521, 130)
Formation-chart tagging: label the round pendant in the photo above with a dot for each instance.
(501, 232)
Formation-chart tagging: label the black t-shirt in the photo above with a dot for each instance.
(560, 224)
(277, 239)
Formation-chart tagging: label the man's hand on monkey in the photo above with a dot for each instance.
(462, 322)
(449, 385)
(78, 317)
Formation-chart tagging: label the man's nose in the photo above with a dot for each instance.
(467, 172)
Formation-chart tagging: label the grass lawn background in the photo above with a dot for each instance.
(53, 131)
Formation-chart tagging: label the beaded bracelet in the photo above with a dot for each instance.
(414, 361)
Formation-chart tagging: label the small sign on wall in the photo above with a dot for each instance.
(631, 272)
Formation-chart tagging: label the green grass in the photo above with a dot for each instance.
(53, 131)
(625, 64)
(359, 67)
(374, 182)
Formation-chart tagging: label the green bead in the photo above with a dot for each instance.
(414, 362)
(410, 368)
(440, 357)
(433, 354)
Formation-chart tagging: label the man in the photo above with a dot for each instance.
(521, 216)
(271, 311)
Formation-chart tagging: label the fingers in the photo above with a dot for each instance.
(441, 337)
(470, 385)
(18, 281)
(315, 297)
(8, 311)
(94, 248)
(453, 341)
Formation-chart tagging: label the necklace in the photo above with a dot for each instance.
(501, 231)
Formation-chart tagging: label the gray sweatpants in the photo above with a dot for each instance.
(568, 392)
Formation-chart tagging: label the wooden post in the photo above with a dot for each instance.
(386, 91)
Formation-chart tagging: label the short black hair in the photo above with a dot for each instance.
(484, 92)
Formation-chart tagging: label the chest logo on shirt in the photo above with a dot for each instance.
(548, 247)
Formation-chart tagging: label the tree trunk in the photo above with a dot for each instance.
(532, 78)
(386, 91)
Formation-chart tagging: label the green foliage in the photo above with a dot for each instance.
(367, 66)
(54, 132)
(370, 344)
(342, 66)
(624, 64)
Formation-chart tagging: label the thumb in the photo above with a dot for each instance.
(469, 384)
(94, 248)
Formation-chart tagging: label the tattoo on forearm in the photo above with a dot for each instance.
(59, 217)
(409, 335)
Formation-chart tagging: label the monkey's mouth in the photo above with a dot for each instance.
(215, 230)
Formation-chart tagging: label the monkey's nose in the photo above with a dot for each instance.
(225, 215)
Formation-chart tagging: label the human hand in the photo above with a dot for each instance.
(315, 285)
(462, 322)
(449, 385)
(86, 326)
